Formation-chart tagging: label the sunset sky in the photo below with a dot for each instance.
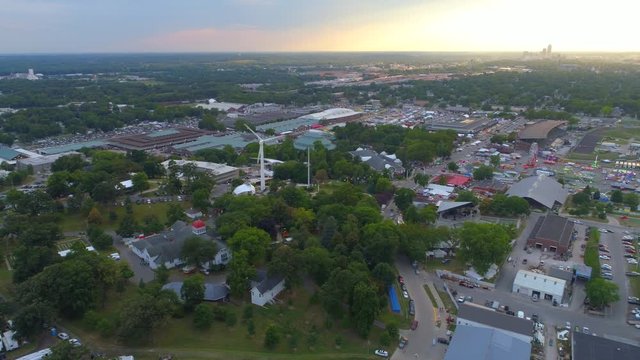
(76, 26)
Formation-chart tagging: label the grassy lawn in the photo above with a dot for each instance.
(305, 329)
(78, 222)
(446, 300)
(587, 157)
(402, 319)
(623, 133)
(430, 295)
(455, 265)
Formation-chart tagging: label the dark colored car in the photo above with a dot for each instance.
(400, 279)
(412, 307)
(414, 325)
(442, 340)
(403, 342)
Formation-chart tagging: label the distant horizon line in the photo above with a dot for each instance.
(231, 52)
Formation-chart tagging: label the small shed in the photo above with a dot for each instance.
(583, 272)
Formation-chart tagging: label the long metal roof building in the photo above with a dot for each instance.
(541, 189)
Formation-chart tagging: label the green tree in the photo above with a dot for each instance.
(495, 160)
(65, 351)
(364, 308)
(421, 179)
(127, 227)
(200, 200)
(203, 316)
(192, 291)
(272, 337)
(465, 195)
(140, 182)
(240, 273)
(252, 240)
(175, 212)
(384, 273)
(616, 196)
(601, 292)
(31, 318)
(483, 244)
(483, 172)
(139, 316)
(287, 261)
(404, 198)
(197, 251)
(162, 274)
(452, 166)
(631, 200)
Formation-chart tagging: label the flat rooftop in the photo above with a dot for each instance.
(157, 139)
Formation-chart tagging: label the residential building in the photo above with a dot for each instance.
(543, 286)
(470, 314)
(476, 343)
(265, 287)
(379, 162)
(552, 233)
(166, 247)
(212, 292)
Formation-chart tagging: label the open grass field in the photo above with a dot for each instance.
(305, 333)
(625, 133)
(78, 222)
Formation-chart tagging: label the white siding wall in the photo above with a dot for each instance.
(261, 299)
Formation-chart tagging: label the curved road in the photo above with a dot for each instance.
(420, 345)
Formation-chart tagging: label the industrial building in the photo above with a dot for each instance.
(157, 139)
(590, 347)
(545, 287)
(42, 164)
(552, 233)
(221, 173)
(470, 314)
(478, 343)
(540, 191)
(542, 132)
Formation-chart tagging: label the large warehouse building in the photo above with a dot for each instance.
(157, 139)
(221, 173)
(544, 287)
(553, 233)
(542, 132)
(540, 191)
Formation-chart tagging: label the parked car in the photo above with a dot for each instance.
(403, 342)
(443, 340)
(382, 353)
(75, 342)
(63, 336)
(521, 314)
(405, 294)
(605, 257)
(189, 269)
(461, 299)
(115, 256)
(446, 261)
(414, 325)
(412, 307)
(632, 261)
(524, 261)
(606, 267)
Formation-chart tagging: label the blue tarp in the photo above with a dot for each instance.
(393, 298)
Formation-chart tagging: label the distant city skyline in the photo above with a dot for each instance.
(80, 26)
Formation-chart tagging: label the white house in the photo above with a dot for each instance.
(543, 286)
(265, 288)
(479, 316)
(166, 247)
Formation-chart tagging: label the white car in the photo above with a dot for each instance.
(632, 261)
(382, 353)
(606, 267)
(75, 342)
(115, 256)
(405, 294)
(63, 336)
(605, 257)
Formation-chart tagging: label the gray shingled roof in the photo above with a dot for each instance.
(494, 319)
(589, 347)
(541, 189)
(448, 205)
(476, 343)
(265, 282)
(212, 292)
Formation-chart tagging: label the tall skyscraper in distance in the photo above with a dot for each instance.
(549, 49)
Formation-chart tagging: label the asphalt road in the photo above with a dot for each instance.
(420, 345)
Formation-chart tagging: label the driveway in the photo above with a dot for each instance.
(140, 271)
(420, 345)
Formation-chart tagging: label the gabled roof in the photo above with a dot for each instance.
(264, 282)
(212, 292)
(500, 321)
(476, 343)
(541, 189)
(8, 153)
(448, 205)
(553, 227)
